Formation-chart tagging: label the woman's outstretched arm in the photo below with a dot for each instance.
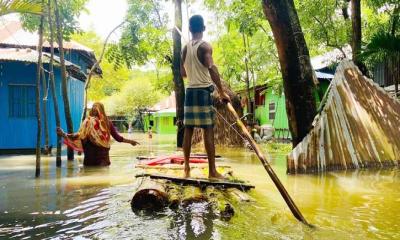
(72, 136)
(115, 134)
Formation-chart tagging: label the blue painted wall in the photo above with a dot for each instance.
(20, 133)
(76, 58)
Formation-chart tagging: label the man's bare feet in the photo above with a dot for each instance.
(187, 173)
(215, 175)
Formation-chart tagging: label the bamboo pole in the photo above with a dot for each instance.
(292, 206)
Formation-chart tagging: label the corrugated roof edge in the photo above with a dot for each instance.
(31, 56)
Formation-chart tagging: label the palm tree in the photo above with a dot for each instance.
(20, 6)
(384, 46)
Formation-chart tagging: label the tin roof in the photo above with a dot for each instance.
(329, 58)
(12, 35)
(167, 103)
(323, 75)
(31, 56)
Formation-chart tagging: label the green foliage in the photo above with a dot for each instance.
(112, 79)
(70, 10)
(144, 38)
(137, 93)
(244, 20)
(324, 24)
(382, 31)
(382, 46)
(20, 6)
(124, 90)
(163, 81)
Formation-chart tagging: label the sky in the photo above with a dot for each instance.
(104, 15)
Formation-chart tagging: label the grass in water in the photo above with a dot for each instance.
(277, 147)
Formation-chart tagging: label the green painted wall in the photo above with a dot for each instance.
(164, 123)
(280, 123)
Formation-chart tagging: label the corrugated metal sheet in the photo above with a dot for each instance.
(27, 55)
(31, 56)
(12, 35)
(357, 128)
(385, 73)
(20, 55)
(323, 75)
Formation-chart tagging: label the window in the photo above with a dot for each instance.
(22, 101)
(272, 111)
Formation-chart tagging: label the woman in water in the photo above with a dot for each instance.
(94, 136)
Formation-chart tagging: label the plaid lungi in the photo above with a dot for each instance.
(198, 108)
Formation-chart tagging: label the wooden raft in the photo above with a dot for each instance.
(162, 186)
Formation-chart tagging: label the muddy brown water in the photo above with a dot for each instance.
(94, 203)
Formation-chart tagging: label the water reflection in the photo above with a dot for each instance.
(73, 201)
(195, 221)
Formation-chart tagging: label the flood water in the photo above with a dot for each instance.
(94, 203)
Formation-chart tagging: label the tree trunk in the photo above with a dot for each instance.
(46, 124)
(296, 69)
(356, 26)
(246, 64)
(38, 113)
(53, 83)
(67, 110)
(176, 69)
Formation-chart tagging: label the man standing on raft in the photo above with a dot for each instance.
(198, 66)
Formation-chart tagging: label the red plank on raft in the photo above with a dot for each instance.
(172, 159)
